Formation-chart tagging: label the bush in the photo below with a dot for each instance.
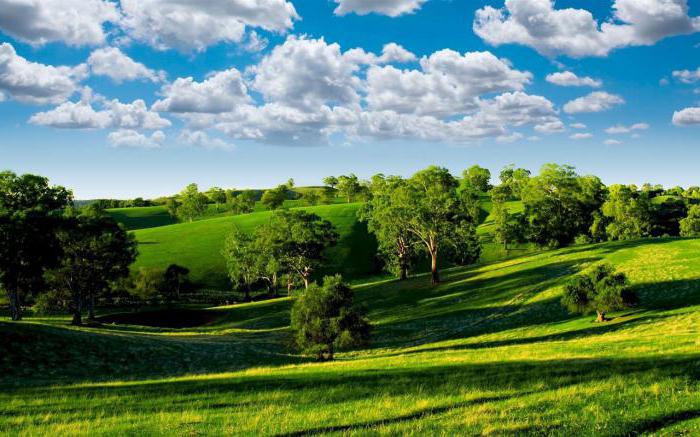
(52, 302)
(582, 239)
(324, 319)
(600, 290)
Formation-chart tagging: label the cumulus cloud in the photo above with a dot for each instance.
(220, 92)
(578, 125)
(611, 142)
(31, 82)
(576, 33)
(112, 115)
(202, 139)
(132, 138)
(392, 8)
(113, 63)
(567, 78)
(622, 129)
(391, 53)
(594, 102)
(687, 76)
(194, 26)
(74, 22)
(581, 136)
(447, 82)
(687, 117)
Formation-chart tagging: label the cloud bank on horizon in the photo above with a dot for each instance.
(309, 90)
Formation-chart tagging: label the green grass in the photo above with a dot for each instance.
(198, 245)
(490, 351)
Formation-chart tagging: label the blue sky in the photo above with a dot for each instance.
(235, 95)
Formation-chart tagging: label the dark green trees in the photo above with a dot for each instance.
(95, 251)
(629, 213)
(690, 226)
(324, 320)
(274, 198)
(601, 290)
(30, 214)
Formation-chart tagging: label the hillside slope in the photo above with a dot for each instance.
(489, 351)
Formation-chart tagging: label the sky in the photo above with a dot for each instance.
(119, 99)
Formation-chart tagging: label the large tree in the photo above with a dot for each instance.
(629, 212)
(95, 251)
(690, 226)
(324, 320)
(349, 186)
(300, 240)
(193, 204)
(559, 204)
(600, 290)
(513, 181)
(478, 177)
(434, 213)
(274, 199)
(31, 211)
(387, 219)
(241, 203)
(241, 254)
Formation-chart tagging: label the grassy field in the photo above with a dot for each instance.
(198, 245)
(490, 351)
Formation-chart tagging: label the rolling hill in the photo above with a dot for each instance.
(490, 351)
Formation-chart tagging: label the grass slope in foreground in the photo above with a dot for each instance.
(490, 351)
(198, 245)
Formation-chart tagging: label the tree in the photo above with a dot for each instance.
(349, 186)
(300, 240)
(478, 178)
(330, 181)
(690, 226)
(629, 212)
(470, 196)
(193, 204)
(324, 320)
(386, 220)
(501, 221)
(171, 204)
(146, 284)
(601, 290)
(30, 214)
(241, 256)
(513, 181)
(241, 203)
(312, 198)
(175, 280)
(217, 196)
(559, 204)
(434, 213)
(666, 215)
(274, 199)
(95, 251)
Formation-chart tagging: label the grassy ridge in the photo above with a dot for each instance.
(489, 351)
(198, 245)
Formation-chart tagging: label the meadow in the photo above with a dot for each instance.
(490, 351)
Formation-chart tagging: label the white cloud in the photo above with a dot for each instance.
(612, 142)
(581, 136)
(578, 125)
(687, 76)
(594, 102)
(687, 117)
(510, 138)
(307, 73)
(448, 82)
(576, 33)
(31, 82)
(255, 43)
(113, 63)
(567, 78)
(202, 139)
(622, 129)
(112, 115)
(220, 92)
(74, 22)
(392, 8)
(189, 26)
(132, 138)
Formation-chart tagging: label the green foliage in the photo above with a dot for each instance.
(324, 320)
(477, 177)
(274, 199)
(629, 212)
(330, 181)
(513, 181)
(146, 284)
(667, 214)
(217, 196)
(601, 290)
(312, 198)
(348, 186)
(241, 255)
(690, 226)
(241, 203)
(95, 251)
(175, 282)
(559, 204)
(193, 204)
(30, 214)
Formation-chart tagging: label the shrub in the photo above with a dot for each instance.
(601, 290)
(324, 319)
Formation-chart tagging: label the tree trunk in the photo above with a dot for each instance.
(404, 272)
(77, 311)
(247, 293)
(15, 305)
(306, 282)
(275, 285)
(91, 307)
(434, 274)
(601, 316)
(290, 284)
